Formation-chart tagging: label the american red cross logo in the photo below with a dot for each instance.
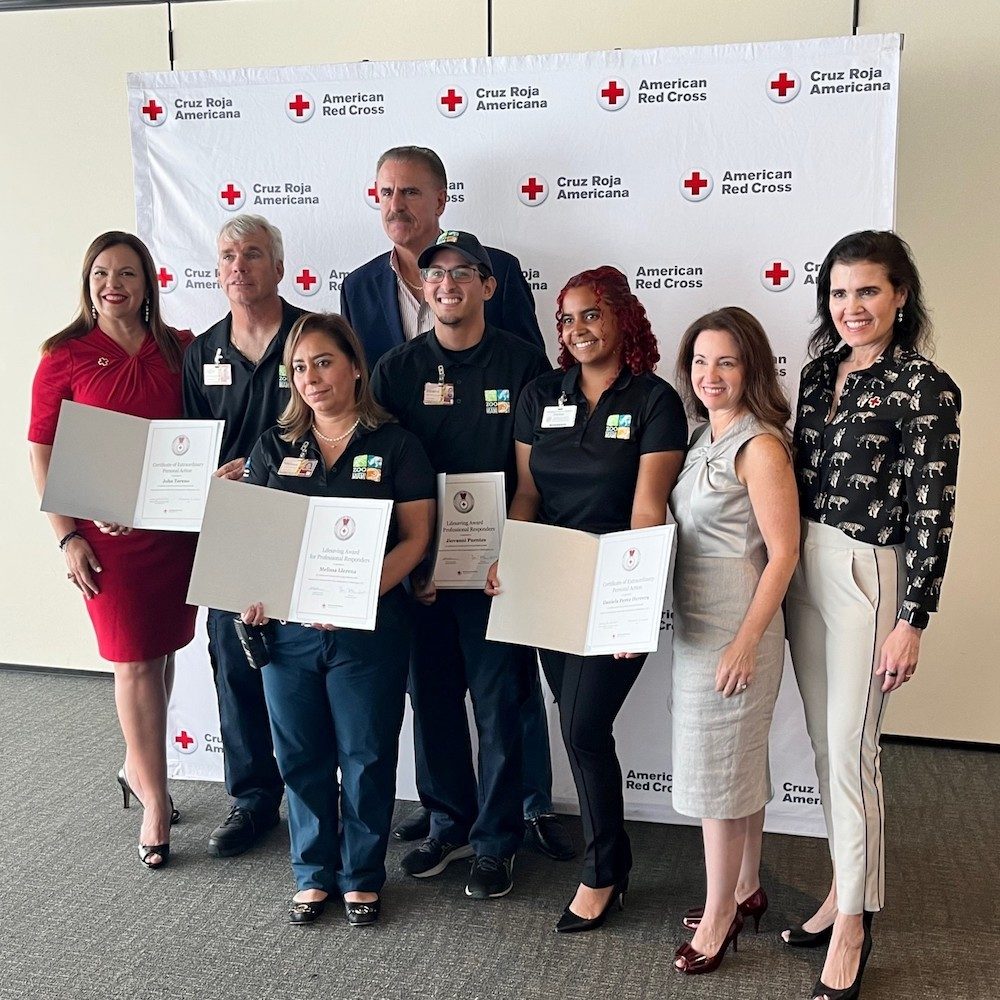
(695, 183)
(164, 277)
(306, 279)
(451, 100)
(612, 92)
(783, 84)
(299, 105)
(532, 189)
(776, 273)
(230, 194)
(184, 739)
(373, 194)
(152, 110)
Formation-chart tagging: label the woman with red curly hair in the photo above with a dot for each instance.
(599, 446)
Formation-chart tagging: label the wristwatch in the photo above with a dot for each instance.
(918, 619)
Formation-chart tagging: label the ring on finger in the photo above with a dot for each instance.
(743, 687)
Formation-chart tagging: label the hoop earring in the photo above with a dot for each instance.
(145, 311)
(93, 313)
(899, 315)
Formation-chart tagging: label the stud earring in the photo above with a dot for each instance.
(93, 313)
(145, 311)
(899, 315)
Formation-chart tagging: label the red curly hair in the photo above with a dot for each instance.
(638, 347)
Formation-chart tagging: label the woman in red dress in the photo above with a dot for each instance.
(119, 354)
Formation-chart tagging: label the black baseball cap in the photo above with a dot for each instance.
(462, 243)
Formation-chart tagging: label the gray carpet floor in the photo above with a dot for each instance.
(80, 918)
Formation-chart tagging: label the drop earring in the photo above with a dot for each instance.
(899, 315)
(93, 313)
(145, 311)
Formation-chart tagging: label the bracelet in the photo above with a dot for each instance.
(66, 539)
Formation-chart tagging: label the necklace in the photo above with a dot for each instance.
(350, 430)
(254, 360)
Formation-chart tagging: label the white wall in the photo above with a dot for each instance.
(66, 175)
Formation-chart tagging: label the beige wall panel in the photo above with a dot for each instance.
(948, 208)
(65, 176)
(524, 26)
(305, 32)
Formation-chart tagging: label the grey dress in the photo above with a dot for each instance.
(720, 763)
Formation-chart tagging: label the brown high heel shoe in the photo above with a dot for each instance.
(755, 905)
(694, 963)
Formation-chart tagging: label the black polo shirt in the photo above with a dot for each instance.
(258, 392)
(387, 463)
(474, 433)
(586, 474)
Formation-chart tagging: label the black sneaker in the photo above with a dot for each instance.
(432, 857)
(238, 832)
(490, 877)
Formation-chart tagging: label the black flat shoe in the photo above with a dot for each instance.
(305, 913)
(546, 834)
(128, 795)
(853, 991)
(362, 914)
(147, 851)
(573, 923)
(416, 826)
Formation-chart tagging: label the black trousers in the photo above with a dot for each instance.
(590, 691)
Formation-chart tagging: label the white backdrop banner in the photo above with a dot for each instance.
(710, 176)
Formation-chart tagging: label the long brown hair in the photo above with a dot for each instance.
(763, 396)
(297, 417)
(164, 336)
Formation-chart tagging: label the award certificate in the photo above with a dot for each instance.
(471, 510)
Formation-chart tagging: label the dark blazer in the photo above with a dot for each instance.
(368, 301)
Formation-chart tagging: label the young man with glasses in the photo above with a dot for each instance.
(446, 387)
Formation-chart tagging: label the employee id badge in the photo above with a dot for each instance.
(218, 374)
(302, 468)
(439, 394)
(559, 416)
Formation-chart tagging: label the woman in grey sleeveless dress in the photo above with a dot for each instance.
(736, 508)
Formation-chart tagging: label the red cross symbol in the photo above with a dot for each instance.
(783, 84)
(373, 193)
(152, 110)
(612, 92)
(164, 277)
(532, 189)
(184, 739)
(231, 194)
(695, 183)
(300, 105)
(777, 273)
(452, 100)
(306, 279)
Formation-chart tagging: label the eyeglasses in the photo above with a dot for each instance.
(462, 274)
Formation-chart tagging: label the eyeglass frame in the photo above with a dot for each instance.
(450, 272)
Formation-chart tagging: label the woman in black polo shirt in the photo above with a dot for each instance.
(335, 696)
(599, 445)
(876, 458)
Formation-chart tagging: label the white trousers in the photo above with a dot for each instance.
(841, 606)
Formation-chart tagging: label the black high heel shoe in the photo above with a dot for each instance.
(147, 851)
(853, 991)
(128, 795)
(799, 937)
(573, 923)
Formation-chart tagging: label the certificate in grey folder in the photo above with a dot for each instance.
(581, 593)
(108, 466)
(307, 559)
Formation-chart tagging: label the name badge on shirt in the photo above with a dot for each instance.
(559, 416)
(218, 374)
(439, 394)
(300, 467)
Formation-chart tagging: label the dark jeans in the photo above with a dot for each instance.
(336, 701)
(252, 777)
(450, 656)
(590, 691)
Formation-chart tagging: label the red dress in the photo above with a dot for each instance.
(140, 612)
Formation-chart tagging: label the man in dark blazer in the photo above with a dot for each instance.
(383, 299)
